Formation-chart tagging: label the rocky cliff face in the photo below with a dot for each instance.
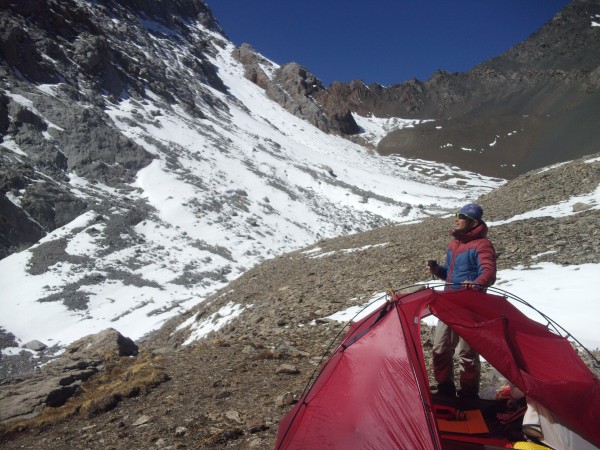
(61, 69)
(159, 172)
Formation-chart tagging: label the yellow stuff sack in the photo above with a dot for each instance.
(524, 445)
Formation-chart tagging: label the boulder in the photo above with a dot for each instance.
(103, 345)
(35, 345)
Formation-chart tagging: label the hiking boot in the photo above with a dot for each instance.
(445, 390)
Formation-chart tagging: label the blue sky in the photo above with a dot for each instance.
(382, 41)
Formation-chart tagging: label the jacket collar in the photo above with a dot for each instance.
(480, 231)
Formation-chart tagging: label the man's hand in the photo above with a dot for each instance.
(468, 284)
(433, 266)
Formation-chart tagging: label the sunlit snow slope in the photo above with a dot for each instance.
(246, 182)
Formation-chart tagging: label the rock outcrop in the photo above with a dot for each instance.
(298, 91)
(56, 382)
(508, 115)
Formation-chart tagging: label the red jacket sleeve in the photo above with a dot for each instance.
(487, 263)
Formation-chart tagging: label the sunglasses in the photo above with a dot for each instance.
(463, 216)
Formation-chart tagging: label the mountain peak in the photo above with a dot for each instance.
(173, 11)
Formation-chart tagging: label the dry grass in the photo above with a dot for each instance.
(121, 378)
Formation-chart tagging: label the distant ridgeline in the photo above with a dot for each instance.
(534, 105)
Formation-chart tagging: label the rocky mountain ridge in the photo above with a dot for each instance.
(230, 389)
(532, 106)
(513, 113)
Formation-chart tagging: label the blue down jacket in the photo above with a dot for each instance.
(470, 256)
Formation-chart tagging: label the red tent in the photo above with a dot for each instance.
(373, 392)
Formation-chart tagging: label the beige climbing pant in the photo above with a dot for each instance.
(445, 343)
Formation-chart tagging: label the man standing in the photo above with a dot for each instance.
(471, 263)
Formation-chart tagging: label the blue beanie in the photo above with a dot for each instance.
(472, 210)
